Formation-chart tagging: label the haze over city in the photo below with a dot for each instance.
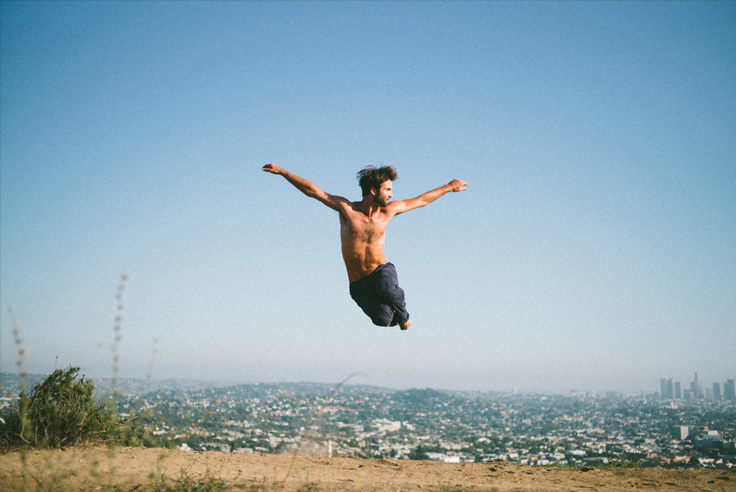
(593, 249)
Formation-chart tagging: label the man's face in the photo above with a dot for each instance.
(385, 193)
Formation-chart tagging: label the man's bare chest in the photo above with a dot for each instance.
(363, 229)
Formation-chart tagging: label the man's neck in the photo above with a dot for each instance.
(369, 206)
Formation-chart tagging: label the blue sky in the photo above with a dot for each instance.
(595, 247)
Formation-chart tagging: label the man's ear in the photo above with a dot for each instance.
(374, 191)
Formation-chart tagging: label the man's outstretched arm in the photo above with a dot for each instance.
(307, 187)
(401, 206)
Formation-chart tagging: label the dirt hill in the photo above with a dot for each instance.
(133, 469)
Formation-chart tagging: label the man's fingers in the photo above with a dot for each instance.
(460, 185)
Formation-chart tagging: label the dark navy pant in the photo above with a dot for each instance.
(380, 297)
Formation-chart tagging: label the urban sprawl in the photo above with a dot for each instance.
(694, 428)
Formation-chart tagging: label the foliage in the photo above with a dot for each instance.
(62, 411)
(420, 397)
(419, 453)
(186, 483)
(560, 464)
(622, 463)
(617, 463)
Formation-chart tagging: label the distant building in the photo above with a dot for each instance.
(696, 388)
(669, 388)
(681, 432)
(716, 391)
(707, 438)
(728, 390)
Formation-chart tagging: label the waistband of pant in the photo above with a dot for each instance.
(374, 272)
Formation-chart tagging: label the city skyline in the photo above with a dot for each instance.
(672, 389)
(669, 388)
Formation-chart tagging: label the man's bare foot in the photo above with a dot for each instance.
(405, 326)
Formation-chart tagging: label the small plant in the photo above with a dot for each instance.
(617, 463)
(62, 411)
(622, 463)
(309, 487)
(187, 483)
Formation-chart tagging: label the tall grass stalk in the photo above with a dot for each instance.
(117, 332)
(117, 337)
(19, 350)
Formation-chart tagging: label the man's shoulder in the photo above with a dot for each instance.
(394, 206)
(351, 206)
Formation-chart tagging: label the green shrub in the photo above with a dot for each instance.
(62, 411)
(622, 463)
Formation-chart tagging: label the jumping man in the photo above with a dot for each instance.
(374, 285)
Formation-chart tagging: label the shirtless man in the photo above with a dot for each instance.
(373, 282)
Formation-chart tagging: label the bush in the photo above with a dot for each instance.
(61, 411)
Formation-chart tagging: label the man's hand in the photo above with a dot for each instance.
(457, 185)
(273, 169)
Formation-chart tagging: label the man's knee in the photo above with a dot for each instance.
(383, 318)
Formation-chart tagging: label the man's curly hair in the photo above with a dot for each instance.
(373, 177)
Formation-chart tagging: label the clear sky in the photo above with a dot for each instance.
(595, 247)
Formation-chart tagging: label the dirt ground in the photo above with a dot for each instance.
(133, 469)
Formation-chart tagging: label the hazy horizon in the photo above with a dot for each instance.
(362, 380)
(593, 249)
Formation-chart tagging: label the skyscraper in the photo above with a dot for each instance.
(728, 390)
(695, 387)
(669, 388)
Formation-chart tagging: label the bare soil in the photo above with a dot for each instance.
(134, 469)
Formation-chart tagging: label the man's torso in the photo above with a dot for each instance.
(363, 239)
